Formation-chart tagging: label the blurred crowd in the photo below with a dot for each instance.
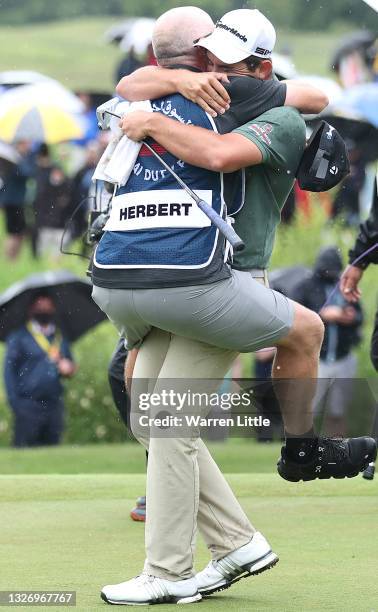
(40, 195)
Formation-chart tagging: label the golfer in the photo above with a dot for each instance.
(183, 467)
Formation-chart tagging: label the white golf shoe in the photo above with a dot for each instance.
(145, 590)
(248, 560)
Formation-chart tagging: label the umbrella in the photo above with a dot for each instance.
(139, 36)
(283, 67)
(76, 311)
(361, 101)
(356, 132)
(9, 154)
(328, 86)
(14, 78)
(48, 91)
(42, 112)
(356, 41)
(285, 280)
(42, 122)
(117, 32)
(355, 116)
(373, 4)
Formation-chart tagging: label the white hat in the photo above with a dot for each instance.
(239, 34)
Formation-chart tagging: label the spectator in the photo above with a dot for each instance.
(13, 199)
(346, 204)
(51, 204)
(37, 358)
(82, 187)
(364, 253)
(342, 323)
(267, 404)
(91, 129)
(127, 65)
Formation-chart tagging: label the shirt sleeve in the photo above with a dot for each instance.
(66, 350)
(280, 135)
(367, 237)
(11, 364)
(250, 98)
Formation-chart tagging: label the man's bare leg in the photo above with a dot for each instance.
(295, 370)
(13, 245)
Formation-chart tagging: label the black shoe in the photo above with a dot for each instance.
(368, 474)
(333, 458)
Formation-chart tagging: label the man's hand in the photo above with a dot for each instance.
(66, 367)
(135, 125)
(336, 314)
(331, 314)
(205, 89)
(349, 316)
(349, 283)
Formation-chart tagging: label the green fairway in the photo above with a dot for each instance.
(73, 532)
(235, 456)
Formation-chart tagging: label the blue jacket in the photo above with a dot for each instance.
(13, 191)
(29, 374)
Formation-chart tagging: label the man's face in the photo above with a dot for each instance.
(43, 310)
(263, 70)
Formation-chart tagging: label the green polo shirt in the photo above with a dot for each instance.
(280, 134)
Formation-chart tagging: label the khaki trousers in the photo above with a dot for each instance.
(185, 487)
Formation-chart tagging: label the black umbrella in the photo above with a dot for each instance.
(285, 280)
(360, 133)
(360, 40)
(76, 311)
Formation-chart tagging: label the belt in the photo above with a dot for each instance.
(259, 274)
(256, 272)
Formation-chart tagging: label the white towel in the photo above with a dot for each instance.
(120, 155)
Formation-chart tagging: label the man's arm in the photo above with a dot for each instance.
(304, 97)
(367, 239)
(194, 145)
(150, 82)
(206, 89)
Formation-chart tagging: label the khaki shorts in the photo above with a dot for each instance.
(238, 313)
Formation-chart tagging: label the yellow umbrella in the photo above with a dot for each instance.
(39, 121)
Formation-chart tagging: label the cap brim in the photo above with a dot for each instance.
(222, 45)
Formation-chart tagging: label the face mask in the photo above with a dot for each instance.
(43, 318)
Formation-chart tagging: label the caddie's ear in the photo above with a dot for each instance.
(202, 59)
(264, 70)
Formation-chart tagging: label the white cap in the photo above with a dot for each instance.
(239, 34)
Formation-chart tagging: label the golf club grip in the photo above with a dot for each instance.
(226, 229)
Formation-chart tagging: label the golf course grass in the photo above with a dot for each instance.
(72, 531)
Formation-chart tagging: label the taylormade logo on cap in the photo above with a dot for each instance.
(239, 34)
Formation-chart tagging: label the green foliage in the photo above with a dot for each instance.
(308, 14)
